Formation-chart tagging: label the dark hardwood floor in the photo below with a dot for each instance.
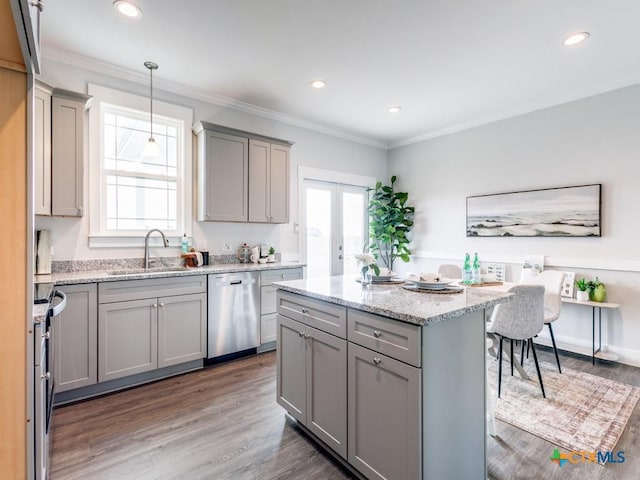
(223, 423)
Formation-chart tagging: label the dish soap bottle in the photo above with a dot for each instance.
(185, 244)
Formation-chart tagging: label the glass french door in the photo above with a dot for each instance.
(336, 226)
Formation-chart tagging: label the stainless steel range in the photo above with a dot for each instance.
(43, 374)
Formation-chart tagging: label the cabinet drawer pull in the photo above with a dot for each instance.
(301, 334)
(307, 336)
(377, 333)
(305, 310)
(377, 360)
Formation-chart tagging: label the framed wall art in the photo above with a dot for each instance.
(550, 212)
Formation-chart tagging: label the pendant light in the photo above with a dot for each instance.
(151, 150)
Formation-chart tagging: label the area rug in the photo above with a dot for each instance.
(582, 412)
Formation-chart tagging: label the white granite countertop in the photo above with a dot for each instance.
(391, 300)
(70, 278)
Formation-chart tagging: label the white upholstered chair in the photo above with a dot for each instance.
(551, 280)
(450, 271)
(522, 318)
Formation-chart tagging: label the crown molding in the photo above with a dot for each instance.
(106, 68)
(529, 108)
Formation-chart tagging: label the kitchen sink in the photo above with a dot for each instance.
(138, 271)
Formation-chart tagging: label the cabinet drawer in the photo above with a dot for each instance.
(269, 276)
(325, 316)
(121, 291)
(394, 338)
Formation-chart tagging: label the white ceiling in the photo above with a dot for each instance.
(450, 64)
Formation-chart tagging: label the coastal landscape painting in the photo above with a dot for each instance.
(550, 212)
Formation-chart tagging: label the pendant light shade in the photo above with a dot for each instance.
(150, 149)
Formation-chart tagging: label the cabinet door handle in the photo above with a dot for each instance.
(206, 214)
(377, 333)
(46, 335)
(79, 210)
(377, 360)
(38, 5)
(153, 305)
(45, 376)
(307, 336)
(305, 310)
(301, 334)
(162, 304)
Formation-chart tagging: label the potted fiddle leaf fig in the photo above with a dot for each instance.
(390, 220)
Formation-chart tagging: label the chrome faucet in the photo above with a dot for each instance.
(165, 241)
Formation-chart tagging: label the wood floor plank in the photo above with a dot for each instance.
(223, 423)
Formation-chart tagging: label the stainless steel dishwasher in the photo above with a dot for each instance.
(234, 313)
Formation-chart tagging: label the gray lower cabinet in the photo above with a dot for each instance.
(312, 383)
(140, 331)
(384, 415)
(76, 338)
(268, 300)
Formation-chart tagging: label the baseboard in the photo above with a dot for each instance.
(626, 356)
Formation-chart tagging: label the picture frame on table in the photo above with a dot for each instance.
(568, 283)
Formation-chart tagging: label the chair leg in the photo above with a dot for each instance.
(522, 353)
(555, 350)
(500, 366)
(511, 357)
(535, 358)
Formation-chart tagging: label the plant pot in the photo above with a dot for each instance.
(271, 258)
(582, 295)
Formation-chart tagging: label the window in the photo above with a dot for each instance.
(131, 194)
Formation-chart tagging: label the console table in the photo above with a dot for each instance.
(594, 306)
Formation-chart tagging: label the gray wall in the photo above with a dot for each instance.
(594, 140)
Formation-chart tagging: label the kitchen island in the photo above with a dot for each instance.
(391, 381)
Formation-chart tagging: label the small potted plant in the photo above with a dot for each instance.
(272, 255)
(582, 295)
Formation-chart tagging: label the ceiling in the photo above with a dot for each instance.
(450, 64)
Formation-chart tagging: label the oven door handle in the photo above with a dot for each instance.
(57, 309)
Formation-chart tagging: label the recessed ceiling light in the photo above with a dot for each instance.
(127, 8)
(575, 38)
(394, 109)
(318, 83)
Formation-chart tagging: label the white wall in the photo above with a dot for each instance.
(594, 140)
(70, 235)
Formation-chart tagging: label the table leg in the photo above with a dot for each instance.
(593, 335)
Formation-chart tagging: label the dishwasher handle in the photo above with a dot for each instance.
(235, 282)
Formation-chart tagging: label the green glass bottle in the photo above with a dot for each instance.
(475, 270)
(466, 269)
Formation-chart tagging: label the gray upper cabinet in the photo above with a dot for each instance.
(223, 172)
(59, 151)
(241, 176)
(76, 338)
(42, 149)
(268, 182)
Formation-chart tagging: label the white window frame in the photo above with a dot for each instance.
(99, 235)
